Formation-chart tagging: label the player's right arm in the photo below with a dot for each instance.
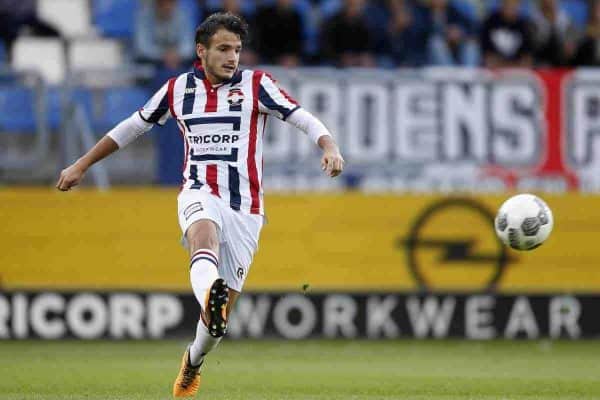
(156, 111)
(73, 174)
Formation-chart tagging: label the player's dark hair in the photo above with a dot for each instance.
(225, 20)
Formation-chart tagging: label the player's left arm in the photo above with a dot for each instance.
(332, 161)
(275, 101)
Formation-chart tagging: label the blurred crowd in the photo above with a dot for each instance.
(361, 33)
(414, 33)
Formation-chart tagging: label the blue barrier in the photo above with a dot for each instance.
(118, 104)
(18, 112)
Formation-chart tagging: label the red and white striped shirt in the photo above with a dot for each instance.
(222, 127)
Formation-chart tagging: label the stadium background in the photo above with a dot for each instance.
(434, 143)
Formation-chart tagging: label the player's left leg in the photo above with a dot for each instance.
(233, 296)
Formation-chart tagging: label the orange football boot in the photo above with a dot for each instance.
(187, 382)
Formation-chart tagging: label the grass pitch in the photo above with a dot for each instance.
(252, 370)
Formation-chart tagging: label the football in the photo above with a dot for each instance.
(524, 222)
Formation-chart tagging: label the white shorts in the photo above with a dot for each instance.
(238, 232)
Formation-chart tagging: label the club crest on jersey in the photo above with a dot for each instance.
(235, 97)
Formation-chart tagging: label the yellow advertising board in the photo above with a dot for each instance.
(129, 239)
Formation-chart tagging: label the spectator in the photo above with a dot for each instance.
(249, 56)
(378, 15)
(588, 53)
(18, 14)
(347, 38)
(477, 8)
(506, 37)
(451, 36)
(279, 34)
(406, 39)
(554, 35)
(163, 35)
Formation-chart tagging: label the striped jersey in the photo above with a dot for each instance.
(222, 128)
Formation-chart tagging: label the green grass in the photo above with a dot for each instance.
(252, 370)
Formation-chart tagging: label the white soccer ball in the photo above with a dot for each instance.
(524, 222)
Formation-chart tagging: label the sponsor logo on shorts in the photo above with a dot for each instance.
(192, 209)
(240, 273)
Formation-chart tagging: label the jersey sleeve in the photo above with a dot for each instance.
(156, 110)
(273, 100)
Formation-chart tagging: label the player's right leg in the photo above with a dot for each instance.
(212, 295)
(200, 221)
(210, 291)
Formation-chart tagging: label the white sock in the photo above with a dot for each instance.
(202, 344)
(203, 273)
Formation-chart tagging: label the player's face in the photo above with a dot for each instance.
(220, 60)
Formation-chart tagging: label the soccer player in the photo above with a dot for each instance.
(221, 112)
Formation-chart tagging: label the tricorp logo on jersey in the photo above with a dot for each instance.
(213, 139)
